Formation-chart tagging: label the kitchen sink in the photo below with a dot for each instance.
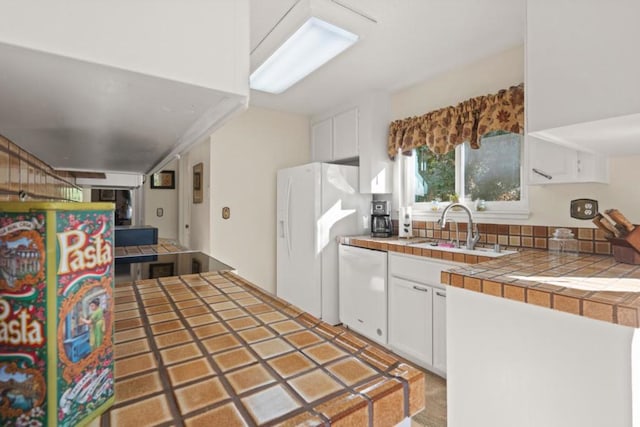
(488, 252)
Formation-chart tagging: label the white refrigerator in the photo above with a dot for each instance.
(316, 203)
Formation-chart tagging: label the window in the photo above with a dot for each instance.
(493, 173)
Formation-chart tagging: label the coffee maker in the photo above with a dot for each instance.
(380, 219)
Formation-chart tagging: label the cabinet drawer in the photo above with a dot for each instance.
(419, 269)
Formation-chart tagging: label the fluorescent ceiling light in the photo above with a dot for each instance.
(314, 44)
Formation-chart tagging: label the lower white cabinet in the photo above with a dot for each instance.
(417, 310)
(440, 329)
(362, 286)
(410, 319)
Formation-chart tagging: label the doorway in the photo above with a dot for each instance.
(123, 200)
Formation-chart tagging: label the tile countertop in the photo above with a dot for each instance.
(212, 349)
(594, 286)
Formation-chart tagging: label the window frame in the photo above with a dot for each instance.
(495, 209)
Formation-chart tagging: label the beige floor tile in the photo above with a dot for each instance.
(180, 353)
(226, 415)
(351, 371)
(291, 364)
(138, 386)
(189, 371)
(323, 353)
(242, 323)
(199, 395)
(131, 348)
(270, 348)
(269, 404)
(233, 359)
(248, 378)
(152, 411)
(314, 385)
(134, 365)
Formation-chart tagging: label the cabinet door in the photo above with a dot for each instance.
(564, 165)
(410, 319)
(376, 169)
(440, 329)
(559, 163)
(345, 135)
(321, 141)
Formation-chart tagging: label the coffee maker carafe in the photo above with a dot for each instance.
(380, 219)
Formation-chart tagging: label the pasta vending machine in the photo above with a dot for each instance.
(56, 312)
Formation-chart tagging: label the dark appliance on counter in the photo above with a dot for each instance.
(381, 219)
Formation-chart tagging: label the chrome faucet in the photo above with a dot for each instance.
(472, 230)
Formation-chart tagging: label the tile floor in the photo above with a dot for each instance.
(214, 350)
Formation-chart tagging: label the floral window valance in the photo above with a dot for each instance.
(443, 129)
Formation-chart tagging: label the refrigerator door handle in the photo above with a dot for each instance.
(287, 228)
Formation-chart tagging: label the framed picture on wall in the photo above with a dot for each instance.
(107, 195)
(164, 180)
(198, 184)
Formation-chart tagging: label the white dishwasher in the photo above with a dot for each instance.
(363, 291)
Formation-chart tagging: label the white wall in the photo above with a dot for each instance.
(549, 204)
(246, 153)
(486, 76)
(166, 199)
(163, 38)
(199, 220)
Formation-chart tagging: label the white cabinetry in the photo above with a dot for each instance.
(362, 284)
(581, 83)
(440, 329)
(322, 141)
(417, 310)
(551, 163)
(411, 319)
(357, 131)
(345, 134)
(335, 138)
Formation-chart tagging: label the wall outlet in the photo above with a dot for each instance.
(584, 208)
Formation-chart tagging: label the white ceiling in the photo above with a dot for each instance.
(412, 41)
(77, 115)
(85, 116)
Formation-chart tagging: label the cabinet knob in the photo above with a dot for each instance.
(418, 288)
(440, 294)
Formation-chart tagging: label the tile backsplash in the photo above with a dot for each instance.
(590, 240)
(21, 171)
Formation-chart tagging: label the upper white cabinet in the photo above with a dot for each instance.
(357, 131)
(376, 169)
(345, 134)
(551, 163)
(582, 80)
(335, 138)
(322, 141)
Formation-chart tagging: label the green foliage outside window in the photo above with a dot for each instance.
(491, 173)
(435, 175)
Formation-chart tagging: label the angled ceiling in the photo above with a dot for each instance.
(78, 115)
(412, 41)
